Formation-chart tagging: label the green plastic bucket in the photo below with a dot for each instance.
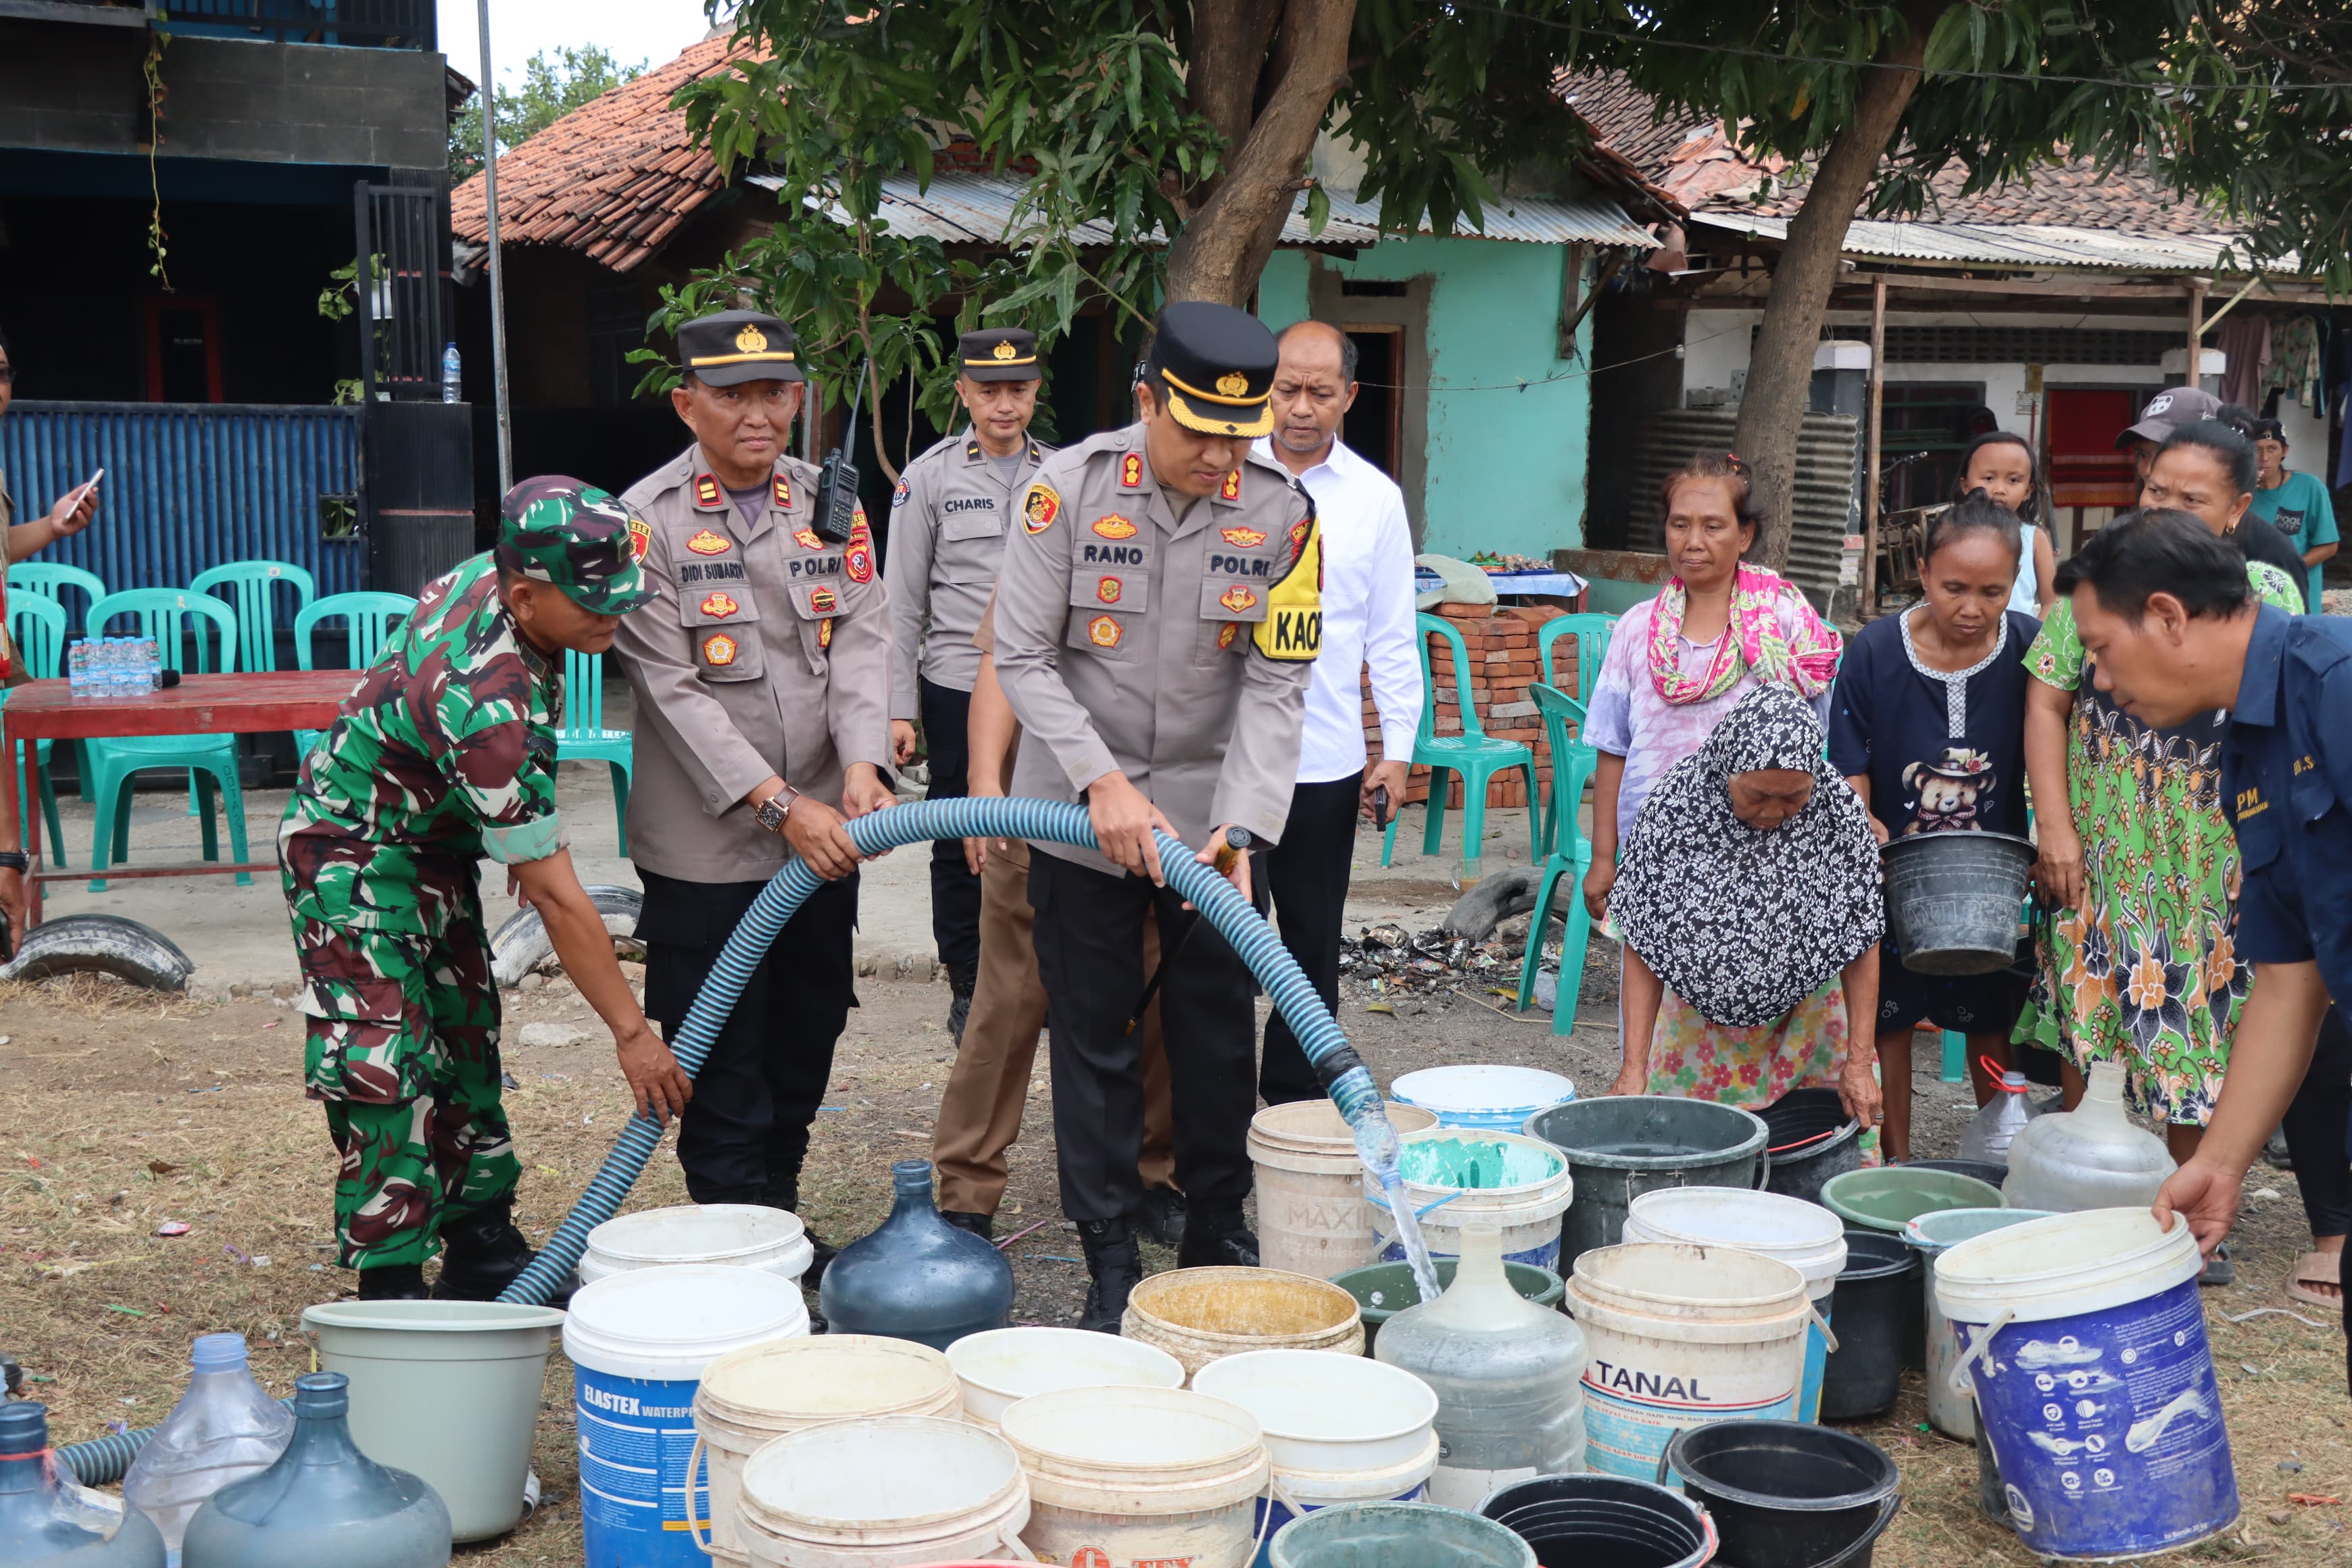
(1383, 1290)
(1891, 1196)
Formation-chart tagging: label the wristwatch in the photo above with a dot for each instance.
(770, 813)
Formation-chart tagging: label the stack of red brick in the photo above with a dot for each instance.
(1501, 647)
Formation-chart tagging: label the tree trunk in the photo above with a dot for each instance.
(1223, 249)
(1780, 370)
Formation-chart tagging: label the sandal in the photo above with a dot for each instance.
(2317, 1269)
(2220, 1271)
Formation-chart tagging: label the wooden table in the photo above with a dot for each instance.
(199, 705)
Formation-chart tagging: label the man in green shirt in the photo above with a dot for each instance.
(445, 754)
(2297, 505)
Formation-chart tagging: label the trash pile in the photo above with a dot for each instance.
(1391, 965)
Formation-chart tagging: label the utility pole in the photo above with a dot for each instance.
(498, 269)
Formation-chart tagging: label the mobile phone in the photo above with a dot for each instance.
(87, 486)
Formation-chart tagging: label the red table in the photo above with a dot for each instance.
(199, 705)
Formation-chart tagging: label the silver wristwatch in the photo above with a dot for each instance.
(772, 812)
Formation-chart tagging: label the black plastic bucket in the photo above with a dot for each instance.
(1784, 1494)
(1813, 1139)
(1876, 1301)
(1953, 900)
(1604, 1522)
(1992, 1172)
(1622, 1145)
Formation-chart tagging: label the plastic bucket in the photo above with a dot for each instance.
(1787, 1495)
(888, 1490)
(1891, 1196)
(1453, 1177)
(1805, 1236)
(1139, 1474)
(1384, 1289)
(1986, 1170)
(1874, 1306)
(997, 1366)
(1625, 1145)
(1951, 1411)
(1953, 900)
(2086, 1344)
(750, 1397)
(1337, 1428)
(1200, 1315)
(1812, 1140)
(413, 1362)
(639, 1343)
(1604, 1519)
(1398, 1535)
(741, 1236)
(1312, 1218)
(1496, 1099)
(1679, 1336)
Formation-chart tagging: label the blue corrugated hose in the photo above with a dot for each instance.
(1344, 1075)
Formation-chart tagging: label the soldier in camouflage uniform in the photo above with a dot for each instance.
(444, 755)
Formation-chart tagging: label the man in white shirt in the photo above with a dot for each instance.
(1368, 609)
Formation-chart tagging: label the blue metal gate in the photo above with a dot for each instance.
(190, 486)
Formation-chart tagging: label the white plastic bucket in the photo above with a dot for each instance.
(1499, 1098)
(1950, 1410)
(1202, 1315)
(1337, 1428)
(1311, 1214)
(638, 1343)
(1139, 1474)
(1805, 1236)
(883, 1491)
(2085, 1343)
(997, 1366)
(1528, 1211)
(751, 1397)
(741, 1236)
(1683, 1336)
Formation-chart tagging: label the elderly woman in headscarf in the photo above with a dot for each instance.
(1749, 900)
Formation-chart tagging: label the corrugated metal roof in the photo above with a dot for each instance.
(2025, 246)
(959, 208)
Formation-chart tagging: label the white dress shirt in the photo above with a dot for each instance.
(1368, 610)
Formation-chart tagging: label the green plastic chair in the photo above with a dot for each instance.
(167, 615)
(368, 620)
(1569, 856)
(253, 586)
(585, 739)
(1592, 633)
(49, 580)
(37, 627)
(1473, 754)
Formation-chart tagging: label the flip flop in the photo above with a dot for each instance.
(2220, 1270)
(2317, 1269)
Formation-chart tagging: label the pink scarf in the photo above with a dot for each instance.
(1806, 662)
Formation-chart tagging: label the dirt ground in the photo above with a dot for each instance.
(119, 1110)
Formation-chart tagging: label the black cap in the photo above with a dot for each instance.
(2169, 410)
(736, 346)
(1219, 365)
(998, 353)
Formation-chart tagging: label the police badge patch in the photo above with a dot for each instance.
(1040, 507)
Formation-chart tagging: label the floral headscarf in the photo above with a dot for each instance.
(1752, 639)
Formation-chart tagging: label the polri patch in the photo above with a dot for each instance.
(899, 495)
(1130, 471)
(861, 560)
(1115, 527)
(641, 538)
(707, 543)
(1108, 590)
(824, 601)
(1103, 631)
(807, 539)
(1243, 538)
(719, 650)
(1040, 507)
(1237, 599)
(722, 606)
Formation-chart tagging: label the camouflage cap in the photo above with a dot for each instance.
(559, 530)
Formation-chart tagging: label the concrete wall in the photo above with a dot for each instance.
(1503, 468)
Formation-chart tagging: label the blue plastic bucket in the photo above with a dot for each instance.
(638, 1343)
(2085, 1343)
(1492, 1097)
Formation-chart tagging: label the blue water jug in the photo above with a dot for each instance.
(918, 1277)
(45, 1523)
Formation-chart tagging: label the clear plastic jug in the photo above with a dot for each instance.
(2088, 1158)
(1999, 1120)
(1509, 1376)
(225, 1427)
(44, 1519)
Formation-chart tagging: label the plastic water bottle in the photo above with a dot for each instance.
(78, 666)
(150, 665)
(2091, 1157)
(223, 1429)
(44, 1518)
(1998, 1123)
(451, 388)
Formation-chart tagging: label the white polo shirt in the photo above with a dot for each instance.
(1368, 609)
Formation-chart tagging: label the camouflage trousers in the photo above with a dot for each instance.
(403, 1046)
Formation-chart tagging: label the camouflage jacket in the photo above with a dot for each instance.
(445, 753)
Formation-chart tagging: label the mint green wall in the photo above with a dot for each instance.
(1506, 468)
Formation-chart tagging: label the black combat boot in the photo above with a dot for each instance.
(1114, 1268)
(481, 1255)
(393, 1282)
(980, 1225)
(962, 978)
(1217, 1238)
(1160, 1216)
(786, 1195)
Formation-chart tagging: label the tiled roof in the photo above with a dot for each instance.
(612, 180)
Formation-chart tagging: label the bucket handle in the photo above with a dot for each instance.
(1960, 1378)
(1823, 1324)
(694, 1461)
(1380, 1242)
(1662, 1460)
(1764, 1166)
(1274, 1493)
(1013, 1543)
(1847, 1554)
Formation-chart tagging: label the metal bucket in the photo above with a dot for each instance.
(1625, 1145)
(1953, 900)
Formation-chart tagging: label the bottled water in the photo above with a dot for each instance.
(150, 665)
(104, 660)
(77, 665)
(224, 1428)
(451, 384)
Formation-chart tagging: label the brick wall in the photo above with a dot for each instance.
(1501, 647)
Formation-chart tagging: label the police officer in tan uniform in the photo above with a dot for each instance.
(947, 535)
(760, 669)
(1156, 621)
